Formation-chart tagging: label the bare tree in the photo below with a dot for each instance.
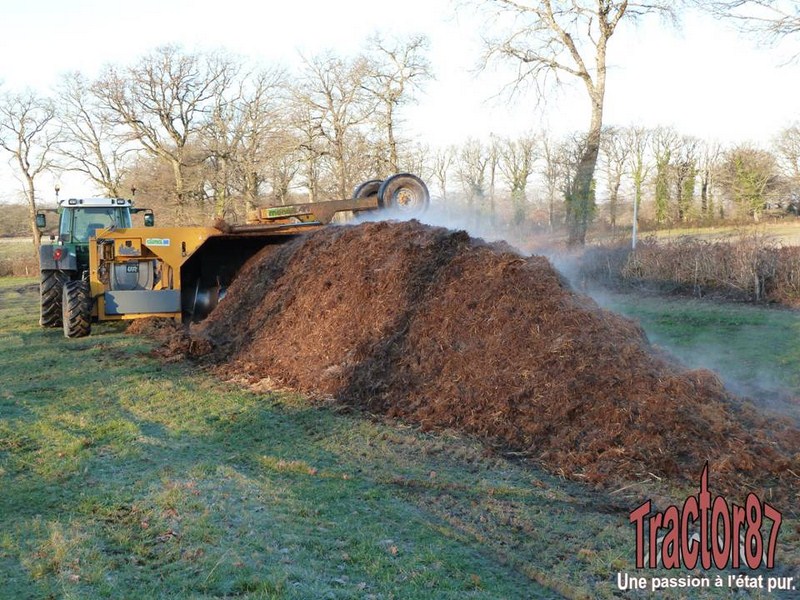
(419, 159)
(221, 138)
(664, 143)
(28, 132)
(245, 137)
(570, 160)
(516, 161)
(284, 165)
(91, 145)
(637, 139)
(311, 145)
(770, 20)
(471, 164)
(396, 69)
(685, 174)
(616, 152)
(553, 173)
(333, 98)
(709, 159)
(553, 38)
(442, 164)
(787, 149)
(163, 101)
(492, 164)
(749, 176)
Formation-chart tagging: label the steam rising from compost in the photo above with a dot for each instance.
(475, 222)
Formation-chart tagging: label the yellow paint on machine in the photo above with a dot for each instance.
(171, 247)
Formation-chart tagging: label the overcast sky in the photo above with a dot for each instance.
(702, 78)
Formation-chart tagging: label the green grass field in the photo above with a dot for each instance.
(125, 477)
(16, 248)
(785, 232)
(753, 349)
(18, 257)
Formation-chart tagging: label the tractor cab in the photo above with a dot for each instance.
(80, 222)
(81, 219)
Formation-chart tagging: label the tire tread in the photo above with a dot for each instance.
(77, 309)
(50, 295)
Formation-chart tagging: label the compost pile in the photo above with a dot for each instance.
(444, 331)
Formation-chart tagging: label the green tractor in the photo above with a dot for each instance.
(64, 262)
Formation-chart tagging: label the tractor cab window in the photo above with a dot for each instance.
(84, 223)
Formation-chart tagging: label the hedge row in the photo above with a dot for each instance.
(751, 269)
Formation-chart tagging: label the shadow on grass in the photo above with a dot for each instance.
(129, 476)
(137, 475)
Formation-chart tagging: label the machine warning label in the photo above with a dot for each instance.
(157, 242)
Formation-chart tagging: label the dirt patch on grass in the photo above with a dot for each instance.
(438, 329)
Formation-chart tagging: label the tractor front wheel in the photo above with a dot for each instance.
(76, 313)
(50, 291)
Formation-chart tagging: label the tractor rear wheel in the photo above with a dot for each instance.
(76, 304)
(367, 189)
(404, 193)
(50, 291)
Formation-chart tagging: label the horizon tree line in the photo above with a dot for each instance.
(205, 133)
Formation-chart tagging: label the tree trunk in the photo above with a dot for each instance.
(30, 192)
(250, 191)
(638, 181)
(393, 159)
(37, 235)
(518, 201)
(221, 191)
(580, 200)
(312, 179)
(341, 165)
(679, 195)
(179, 186)
(704, 208)
(612, 203)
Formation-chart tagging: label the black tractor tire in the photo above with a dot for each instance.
(404, 193)
(367, 189)
(50, 291)
(76, 309)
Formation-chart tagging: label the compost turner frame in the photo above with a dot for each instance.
(183, 272)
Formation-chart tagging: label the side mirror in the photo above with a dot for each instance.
(149, 219)
(41, 221)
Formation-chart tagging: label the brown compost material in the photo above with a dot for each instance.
(175, 343)
(444, 331)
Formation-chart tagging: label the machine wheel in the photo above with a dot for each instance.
(76, 309)
(366, 189)
(404, 193)
(50, 290)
